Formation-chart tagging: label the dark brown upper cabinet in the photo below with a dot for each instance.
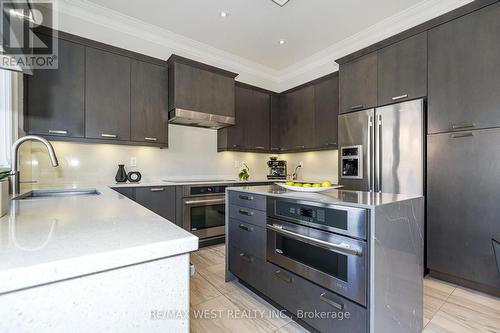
(358, 84)
(402, 70)
(107, 98)
(274, 123)
(55, 103)
(297, 119)
(326, 111)
(149, 102)
(464, 72)
(198, 87)
(252, 131)
(99, 93)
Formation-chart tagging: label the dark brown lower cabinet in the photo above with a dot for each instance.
(463, 206)
(159, 199)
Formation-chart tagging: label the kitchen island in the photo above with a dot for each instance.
(95, 262)
(339, 261)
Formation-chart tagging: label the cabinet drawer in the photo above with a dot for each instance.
(248, 268)
(248, 200)
(248, 238)
(248, 215)
(301, 297)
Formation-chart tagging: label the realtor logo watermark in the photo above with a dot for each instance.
(21, 47)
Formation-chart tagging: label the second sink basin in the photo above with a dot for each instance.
(56, 193)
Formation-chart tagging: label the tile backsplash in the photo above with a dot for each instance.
(192, 153)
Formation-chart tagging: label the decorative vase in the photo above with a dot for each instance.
(121, 174)
(4, 197)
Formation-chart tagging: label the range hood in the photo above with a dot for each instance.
(199, 119)
(200, 95)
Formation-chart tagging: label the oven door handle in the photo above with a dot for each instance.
(197, 202)
(336, 247)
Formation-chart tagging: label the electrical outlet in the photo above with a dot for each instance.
(236, 164)
(133, 162)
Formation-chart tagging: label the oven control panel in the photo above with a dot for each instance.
(207, 190)
(318, 215)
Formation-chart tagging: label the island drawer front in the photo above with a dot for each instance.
(297, 294)
(248, 238)
(248, 268)
(248, 215)
(248, 200)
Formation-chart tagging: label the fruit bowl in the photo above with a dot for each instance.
(308, 189)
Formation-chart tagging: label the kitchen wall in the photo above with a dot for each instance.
(192, 153)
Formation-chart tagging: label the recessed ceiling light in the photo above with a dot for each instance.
(223, 14)
(282, 42)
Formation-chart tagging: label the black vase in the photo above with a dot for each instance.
(121, 174)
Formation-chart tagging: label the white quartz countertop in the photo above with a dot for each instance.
(344, 197)
(44, 240)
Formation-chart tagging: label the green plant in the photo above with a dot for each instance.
(244, 173)
(4, 174)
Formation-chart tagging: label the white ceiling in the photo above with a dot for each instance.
(253, 28)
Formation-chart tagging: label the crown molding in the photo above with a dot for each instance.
(409, 18)
(110, 19)
(251, 72)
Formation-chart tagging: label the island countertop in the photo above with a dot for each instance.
(45, 240)
(340, 196)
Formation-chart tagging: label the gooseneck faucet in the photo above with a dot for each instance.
(15, 158)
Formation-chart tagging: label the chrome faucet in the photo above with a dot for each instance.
(15, 156)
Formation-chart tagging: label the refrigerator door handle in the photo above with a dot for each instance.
(370, 154)
(378, 155)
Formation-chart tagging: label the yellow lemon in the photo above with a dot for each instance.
(316, 185)
(326, 184)
(307, 185)
(290, 183)
(298, 184)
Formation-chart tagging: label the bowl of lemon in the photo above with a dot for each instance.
(308, 187)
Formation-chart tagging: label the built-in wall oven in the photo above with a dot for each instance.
(204, 210)
(325, 244)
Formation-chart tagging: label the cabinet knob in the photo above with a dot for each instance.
(58, 132)
(462, 126)
(112, 136)
(397, 98)
(359, 106)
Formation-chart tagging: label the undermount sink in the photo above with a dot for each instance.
(56, 193)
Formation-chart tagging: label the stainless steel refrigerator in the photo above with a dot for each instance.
(382, 149)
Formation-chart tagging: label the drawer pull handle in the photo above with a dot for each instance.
(330, 302)
(158, 189)
(260, 147)
(246, 197)
(355, 107)
(112, 136)
(330, 144)
(285, 278)
(58, 132)
(245, 212)
(397, 98)
(300, 147)
(462, 126)
(462, 135)
(246, 258)
(244, 227)
(151, 139)
(275, 148)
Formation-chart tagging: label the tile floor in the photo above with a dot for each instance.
(447, 308)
